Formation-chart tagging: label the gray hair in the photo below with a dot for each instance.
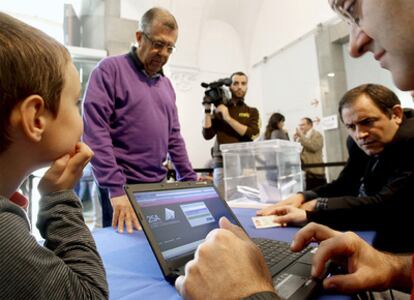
(160, 14)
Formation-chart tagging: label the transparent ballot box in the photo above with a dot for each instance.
(264, 171)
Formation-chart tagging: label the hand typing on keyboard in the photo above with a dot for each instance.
(367, 268)
(227, 265)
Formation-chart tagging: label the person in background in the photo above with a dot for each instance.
(131, 119)
(231, 122)
(384, 28)
(312, 143)
(274, 128)
(40, 124)
(87, 191)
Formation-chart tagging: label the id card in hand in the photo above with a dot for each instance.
(265, 222)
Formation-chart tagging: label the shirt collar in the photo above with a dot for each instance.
(140, 66)
(19, 200)
(309, 133)
(238, 103)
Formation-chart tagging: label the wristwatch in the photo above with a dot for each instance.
(321, 203)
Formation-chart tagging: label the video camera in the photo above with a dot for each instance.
(215, 93)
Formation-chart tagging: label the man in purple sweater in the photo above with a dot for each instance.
(131, 120)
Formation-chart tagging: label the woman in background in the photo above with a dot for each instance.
(274, 128)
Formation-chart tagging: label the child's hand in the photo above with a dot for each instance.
(65, 172)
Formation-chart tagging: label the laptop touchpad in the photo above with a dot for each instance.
(300, 269)
(289, 285)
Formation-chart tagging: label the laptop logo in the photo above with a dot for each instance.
(153, 219)
(169, 214)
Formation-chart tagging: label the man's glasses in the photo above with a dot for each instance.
(347, 10)
(159, 45)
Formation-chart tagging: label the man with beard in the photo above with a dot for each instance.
(231, 122)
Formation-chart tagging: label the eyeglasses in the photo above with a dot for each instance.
(159, 45)
(347, 9)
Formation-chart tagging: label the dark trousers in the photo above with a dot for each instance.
(107, 210)
(313, 181)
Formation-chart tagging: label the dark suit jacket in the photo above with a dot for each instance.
(374, 192)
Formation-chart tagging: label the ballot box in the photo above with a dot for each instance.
(263, 171)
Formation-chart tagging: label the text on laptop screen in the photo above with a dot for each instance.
(180, 219)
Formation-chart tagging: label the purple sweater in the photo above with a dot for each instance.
(131, 123)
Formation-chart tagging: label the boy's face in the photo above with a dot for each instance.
(65, 131)
(385, 28)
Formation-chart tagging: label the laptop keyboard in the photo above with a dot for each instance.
(277, 254)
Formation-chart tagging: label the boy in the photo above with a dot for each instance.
(40, 123)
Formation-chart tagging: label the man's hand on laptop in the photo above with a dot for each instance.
(295, 200)
(368, 268)
(124, 215)
(227, 265)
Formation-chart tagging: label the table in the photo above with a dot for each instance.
(133, 272)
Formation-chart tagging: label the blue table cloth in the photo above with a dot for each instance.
(133, 272)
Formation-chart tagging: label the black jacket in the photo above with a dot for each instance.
(386, 203)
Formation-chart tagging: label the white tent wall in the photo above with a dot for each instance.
(280, 22)
(290, 83)
(218, 37)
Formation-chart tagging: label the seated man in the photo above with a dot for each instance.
(375, 188)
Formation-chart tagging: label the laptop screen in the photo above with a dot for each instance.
(180, 219)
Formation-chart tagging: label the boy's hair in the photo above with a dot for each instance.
(31, 63)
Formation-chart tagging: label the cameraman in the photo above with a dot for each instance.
(232, 121)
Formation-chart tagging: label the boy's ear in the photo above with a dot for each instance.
(31, 115)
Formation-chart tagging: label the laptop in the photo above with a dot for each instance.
(176, 217)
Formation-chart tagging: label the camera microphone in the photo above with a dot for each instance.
(227, 81)
(218, 83)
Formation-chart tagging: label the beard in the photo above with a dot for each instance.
(238, 96)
